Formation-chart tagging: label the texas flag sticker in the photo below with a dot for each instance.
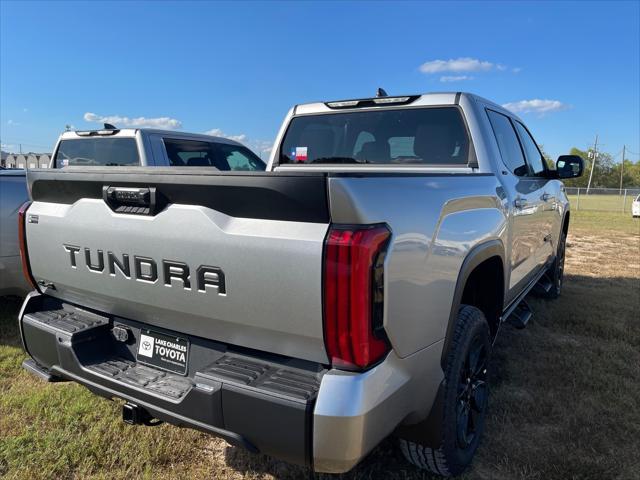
(301, 154)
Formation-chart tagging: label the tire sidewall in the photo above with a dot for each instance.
(475, 325)
(557, 275)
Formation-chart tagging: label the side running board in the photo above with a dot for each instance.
(520, 315)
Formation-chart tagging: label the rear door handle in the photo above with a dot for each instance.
(546, 197)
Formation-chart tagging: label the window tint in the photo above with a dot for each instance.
(193, 153)
(507, 143)
(97, 152)
(432, 136)
(534, 157)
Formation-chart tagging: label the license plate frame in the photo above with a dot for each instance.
(165, 352)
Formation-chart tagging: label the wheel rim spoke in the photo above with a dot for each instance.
(471, 392)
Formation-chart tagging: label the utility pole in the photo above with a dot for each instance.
(593, 164)
(20, 148)
(622, 167)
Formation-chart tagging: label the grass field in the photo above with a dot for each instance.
(565, 401)
(608, 203)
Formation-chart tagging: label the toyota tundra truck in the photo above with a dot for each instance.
(351, 292)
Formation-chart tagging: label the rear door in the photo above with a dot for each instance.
(231, 257)
(526, 220)
(547, 212)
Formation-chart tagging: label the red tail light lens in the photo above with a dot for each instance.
(22, 240)
(354, 295)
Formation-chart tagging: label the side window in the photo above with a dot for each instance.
(223, 156)
(187, 153)
(534, 157)
(508, 143)
(239, 158)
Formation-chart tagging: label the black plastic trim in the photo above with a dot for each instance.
(411, 174)
(263, 402)
(271, 196)
(428, 432)
(475, 257)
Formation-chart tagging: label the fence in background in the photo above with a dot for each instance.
(604, 199)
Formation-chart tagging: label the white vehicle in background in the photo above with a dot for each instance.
(635, 207)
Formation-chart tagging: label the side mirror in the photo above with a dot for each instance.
(569, 166)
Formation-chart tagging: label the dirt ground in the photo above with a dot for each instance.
(565, 399)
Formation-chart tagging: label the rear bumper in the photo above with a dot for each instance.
(242, 397)
(293, 410)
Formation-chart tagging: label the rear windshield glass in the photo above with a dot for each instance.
(97, 151)
(223, 156)
(428, 136)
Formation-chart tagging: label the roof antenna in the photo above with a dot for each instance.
(108, 126)
(381, 93)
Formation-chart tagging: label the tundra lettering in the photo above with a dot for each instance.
(146, 269)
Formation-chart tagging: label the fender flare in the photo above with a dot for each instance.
(478, 254)
(429, 431)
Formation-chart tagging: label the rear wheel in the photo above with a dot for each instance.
(465, 399)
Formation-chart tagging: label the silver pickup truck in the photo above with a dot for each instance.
(127, 147)
(13, 194)
(351, 292)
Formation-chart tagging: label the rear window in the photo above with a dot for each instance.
(97, 152)
(223, 156)
(425, 136)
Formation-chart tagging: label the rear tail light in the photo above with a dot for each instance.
(354, 295)
(22, 240)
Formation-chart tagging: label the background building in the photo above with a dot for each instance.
(26, 160)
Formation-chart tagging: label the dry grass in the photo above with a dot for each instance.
(565, 398)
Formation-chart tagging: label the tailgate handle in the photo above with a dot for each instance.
(131, 200)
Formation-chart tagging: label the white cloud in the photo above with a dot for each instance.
(260, 147)
(455, 78)
(457, 65)
(536, 105)
(12, 123)
(216, 132)
(137, 122)
(516, 69)
(6, 146)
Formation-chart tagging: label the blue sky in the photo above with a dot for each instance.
(571, 69)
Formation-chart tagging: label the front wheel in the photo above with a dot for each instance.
(465, 399)
(556, 270)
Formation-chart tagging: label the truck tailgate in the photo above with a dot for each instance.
(230, 257)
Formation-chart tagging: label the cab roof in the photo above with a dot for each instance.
(131, 132)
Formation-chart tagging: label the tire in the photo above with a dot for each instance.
(465, 399)
(556, 270)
